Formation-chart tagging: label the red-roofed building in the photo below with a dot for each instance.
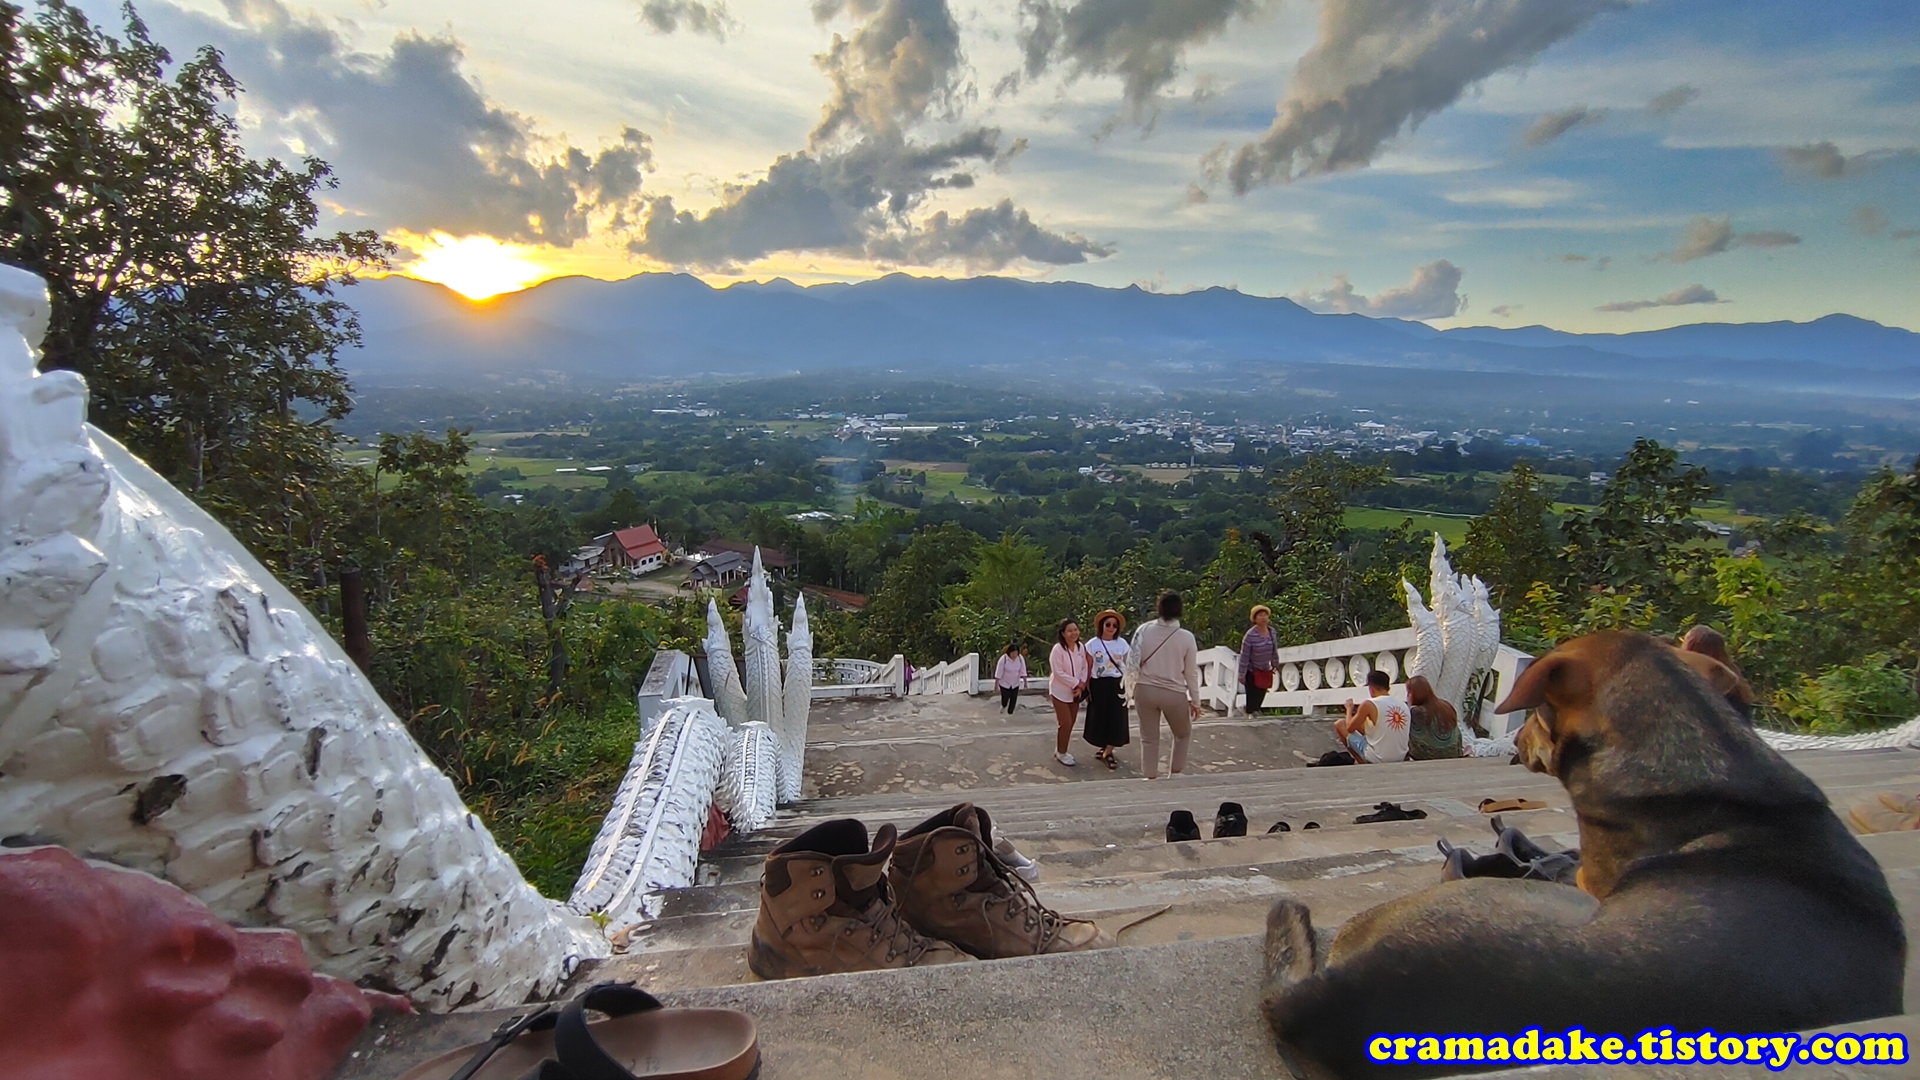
(637, 549)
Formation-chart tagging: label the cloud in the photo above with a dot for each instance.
(1551, 126)
(1533, 196)
(1434, 293)
(986, 238)
(696, 16)
(1141, 41)
(1197, 195)
(1692, 294)
(856, 189)
(1508, 311)
(1570, 258)
(901, 64)
(1905, 234)
(1869, 221)
(1383, 66)
(416, 144)
(1824, 160)
(1714, 236)
(1673, 100)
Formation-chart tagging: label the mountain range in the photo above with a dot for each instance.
(661, 325)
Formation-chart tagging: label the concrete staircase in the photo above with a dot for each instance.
(1179, 996)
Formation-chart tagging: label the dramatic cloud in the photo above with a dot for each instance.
(695, 16)
(1869, 221)
(1673, 100)
(416, 144)
(902, 63)
(1141, 41)
(1434, 293)
(1692, 294)
(1714, 236)
(1552, 125)
(855, 190)
(1383, 66)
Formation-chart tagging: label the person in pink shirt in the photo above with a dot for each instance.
(1010, 674)
(1067, 685)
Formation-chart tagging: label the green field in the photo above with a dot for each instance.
(1454, 529)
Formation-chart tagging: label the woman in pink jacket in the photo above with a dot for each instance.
(1066, 685)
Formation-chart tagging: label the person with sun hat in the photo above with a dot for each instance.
(1106, 708)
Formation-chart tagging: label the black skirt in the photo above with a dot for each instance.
(1106, 713)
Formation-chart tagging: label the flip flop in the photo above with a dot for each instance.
(1502, 806)
(559, 1043)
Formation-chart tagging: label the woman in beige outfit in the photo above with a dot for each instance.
(1166, 665)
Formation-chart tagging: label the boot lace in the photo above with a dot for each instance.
(883, 921)
(1022, 901)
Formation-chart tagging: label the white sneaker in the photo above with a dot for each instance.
(1015, 861)
(1065, 759)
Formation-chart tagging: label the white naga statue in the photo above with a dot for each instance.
(167, 705)
(1459, 637)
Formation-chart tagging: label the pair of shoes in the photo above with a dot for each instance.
(1387, 811)
(1230, 820)
(1514, 856)
(556, 1042)
(940, 894)
(1181, 827)
(1065, 759)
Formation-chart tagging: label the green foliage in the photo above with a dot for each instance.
(1848, 698)
(187, 283)
(1512, 546)
(902, 616)
(984, 613)
(1643, 533)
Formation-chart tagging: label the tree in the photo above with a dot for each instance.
(1643, 535)
(984, 613)
(1511, 546)
(902, 614)
(187, 280)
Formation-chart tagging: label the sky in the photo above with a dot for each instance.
(1591, 165)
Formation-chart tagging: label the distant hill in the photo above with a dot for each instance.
(655, 325)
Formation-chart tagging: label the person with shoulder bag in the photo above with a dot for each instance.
(1166, 686)
(1259, 650)
(1066, 685)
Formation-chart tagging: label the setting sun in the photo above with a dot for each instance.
(476, 267)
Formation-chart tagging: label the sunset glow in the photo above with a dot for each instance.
(476, 267)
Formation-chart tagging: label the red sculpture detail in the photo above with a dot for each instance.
(111, 974)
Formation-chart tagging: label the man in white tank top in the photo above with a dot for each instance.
(1376, 731)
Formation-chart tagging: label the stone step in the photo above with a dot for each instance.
(1155, 857)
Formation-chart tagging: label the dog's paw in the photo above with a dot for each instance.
(1290, 951)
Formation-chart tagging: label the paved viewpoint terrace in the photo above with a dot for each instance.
(1179, 997)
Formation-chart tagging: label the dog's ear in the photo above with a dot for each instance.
(1717, 674)
(1561, 678)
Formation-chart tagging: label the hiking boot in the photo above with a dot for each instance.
(952, 885)
(825, 908)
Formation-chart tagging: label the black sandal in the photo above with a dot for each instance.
(721, 1044)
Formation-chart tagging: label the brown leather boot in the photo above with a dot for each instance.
(825, 908)
(951, 885)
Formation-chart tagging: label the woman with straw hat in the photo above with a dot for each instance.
(1257, 656)
(1106, 708)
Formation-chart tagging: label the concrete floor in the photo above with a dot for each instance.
(959, 743)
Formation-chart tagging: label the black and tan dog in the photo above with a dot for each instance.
(1717, 889)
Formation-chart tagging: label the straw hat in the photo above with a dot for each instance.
(1102, 617)
(1257, 609)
